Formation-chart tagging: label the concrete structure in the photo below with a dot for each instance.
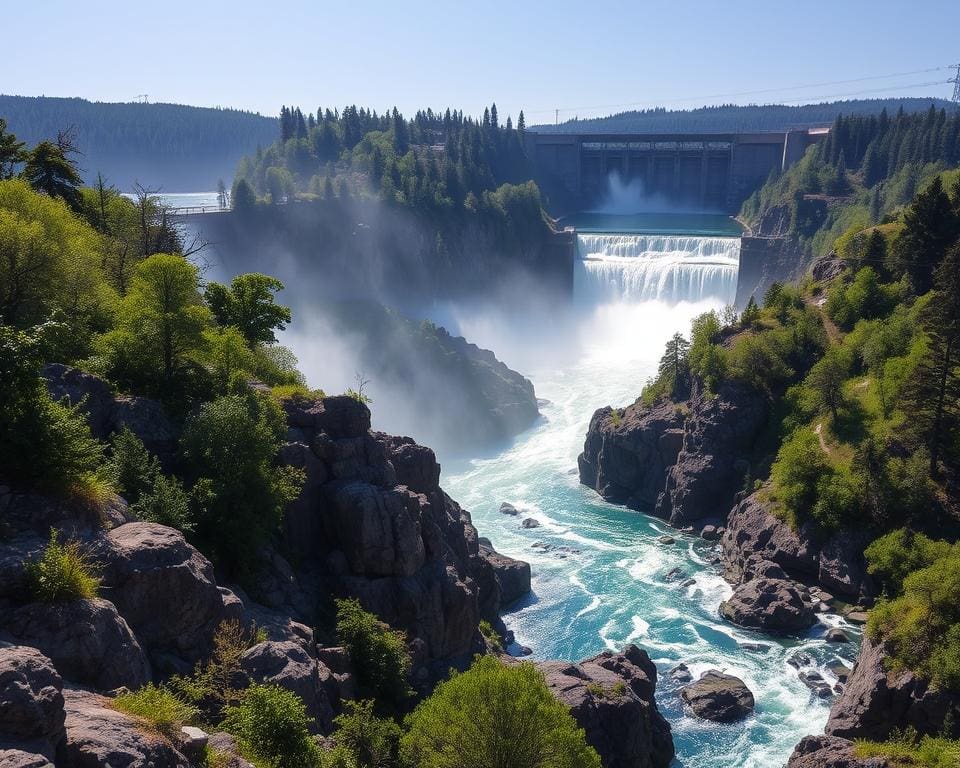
(704, 171)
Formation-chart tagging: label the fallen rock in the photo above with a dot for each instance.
(829, 752)
(506, 508)
(31, 706)
(98, 735)
(772, 605)
(718, 697)
(14, 757)
(611, 696)
(224, 746)
(87, 640)
(836, 635)
(667, 540)
(709, 533)
(681, 673)
(530, 522)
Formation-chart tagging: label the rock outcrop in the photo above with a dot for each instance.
(31, 707)
(611, 696)
(718, 697)
(830, 752)
(682, 462)
(877, 701)
(771, 605)
(98, 735)
(513, 576)
(755, 537)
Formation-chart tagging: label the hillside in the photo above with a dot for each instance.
(734, 118)
(176, 147)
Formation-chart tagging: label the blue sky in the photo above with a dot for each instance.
(586, 58)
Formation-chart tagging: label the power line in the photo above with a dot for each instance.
(754, 92)
(956, 83)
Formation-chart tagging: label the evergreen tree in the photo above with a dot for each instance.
(494, 119)
(930, 227)
(673, 368)
(750, 314)
(50, 171)
(12, 152)
(521, 124)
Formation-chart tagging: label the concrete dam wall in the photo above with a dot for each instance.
(703, 171)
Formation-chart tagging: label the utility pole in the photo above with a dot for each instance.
(142, 98)
(556, 117)
(956, 84)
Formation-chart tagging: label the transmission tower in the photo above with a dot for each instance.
(142, 98)
(956, 84)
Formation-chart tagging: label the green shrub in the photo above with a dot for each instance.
(378, 654)
(159, 706)
(839, 500)
(63, 573)
(491, 635)
(276, 365)
(922, 625)
(904, 750)
(797, 471)
(475, 718)
(362, 739)
(891, 558)
(271, 724)
(239, 495)
(754, 360)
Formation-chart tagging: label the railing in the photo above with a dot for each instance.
(195, 209)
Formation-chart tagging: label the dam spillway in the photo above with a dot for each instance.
(632, 268)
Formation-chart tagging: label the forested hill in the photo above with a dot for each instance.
(176, 147)
(733, 118)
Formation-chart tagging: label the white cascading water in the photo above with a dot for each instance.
(628, 268)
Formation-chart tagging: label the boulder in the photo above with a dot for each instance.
(718, 697)
(98, 735)
(224, 746)
(877, 701)
(506, 508)
(31, 706)
(755, 535)
(611, 696)
(163, 587)
(830, 752)
(836, 635)
(288, 665)
(13, 757)
(87, 640)
(772, 605)
(336, 676)
(530, 522)
(709, 533)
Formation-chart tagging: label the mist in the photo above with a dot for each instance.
(626, 197)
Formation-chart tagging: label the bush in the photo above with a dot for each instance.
(491, 635)
(906, 750)
(239, 495)
(754, 360)
(362, 739)
(797, 471)
(922, 626)
(891, 558)
(271, 724)
(63, 573)
(378, 654)
(159, 706)
(838, 504)
(473, 719)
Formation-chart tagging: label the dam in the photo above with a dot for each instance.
(710, 171)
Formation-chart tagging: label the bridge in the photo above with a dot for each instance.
(706, 171)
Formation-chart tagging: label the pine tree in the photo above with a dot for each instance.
(494, 120)
(521, 124)
(674, 369)
(930, 227)
(11, 152)
(49, 170)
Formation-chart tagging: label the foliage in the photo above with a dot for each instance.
(378, 654)
(63, 573)
(906, 750)
(797, 472)
(152, 495)
(755, 359)
(271, 723)
(491, 635)
(276, 366)
(46, 445)
(239, 495)
(248, 305)
(476, 717)
(930, 227)
(705, 358)
(49, 170)
(362, 739)
(673, 370)
(824, 383)
(922, 626)
(891, 558)
(163, 709)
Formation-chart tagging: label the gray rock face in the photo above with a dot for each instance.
(875, 701)
(31, 707)
(107, 413)
(773, 605)
(163, 587)
(754, 535)
(87, 640)
(622, 722)
(718, 697)
(228, 753)
(829, 752)
(682, 468)
(513, 576)
(288, 665)
(98, 736)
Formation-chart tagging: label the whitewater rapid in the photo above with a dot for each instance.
(601, 579)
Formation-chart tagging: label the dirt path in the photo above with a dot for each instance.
(818, 430)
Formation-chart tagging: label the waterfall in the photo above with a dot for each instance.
(669, 268)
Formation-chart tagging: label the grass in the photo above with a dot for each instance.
(616, 690)
(297, 392)
(63, 573)
(160, 707)
(905, 751)
(491, 635)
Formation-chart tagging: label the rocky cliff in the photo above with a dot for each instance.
(680, 461)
